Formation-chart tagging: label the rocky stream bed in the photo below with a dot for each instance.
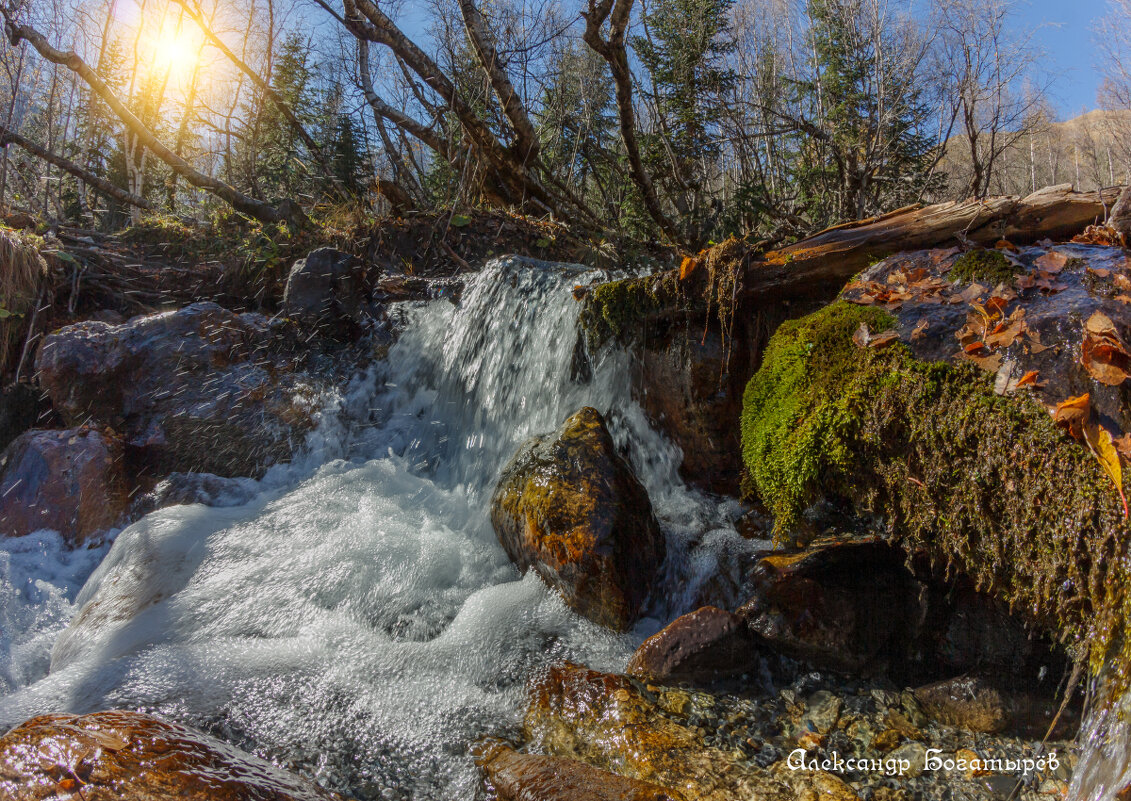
(553, 533)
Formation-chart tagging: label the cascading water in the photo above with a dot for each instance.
(357, 618)
(1104, 768)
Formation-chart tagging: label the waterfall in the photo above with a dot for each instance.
(1104, 766)
(356, 617)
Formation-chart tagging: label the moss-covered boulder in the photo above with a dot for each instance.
(568, 506)
(977, 482)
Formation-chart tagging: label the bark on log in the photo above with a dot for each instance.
(821, 264)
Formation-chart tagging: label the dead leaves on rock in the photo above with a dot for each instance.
(988, 331)
(1103, 353)
(1075, 416)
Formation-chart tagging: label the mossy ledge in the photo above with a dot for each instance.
(618, 308)
(991, 266)
(981, 484)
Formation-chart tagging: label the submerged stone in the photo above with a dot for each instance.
(568, 506)
(532, 777)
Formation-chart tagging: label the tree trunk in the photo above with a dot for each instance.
(105, 187)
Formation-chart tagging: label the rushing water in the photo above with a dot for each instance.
(356, 617)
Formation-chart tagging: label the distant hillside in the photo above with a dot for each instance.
(1090, 151)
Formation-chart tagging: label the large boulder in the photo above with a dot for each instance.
(327, 291)
(201, 389)
(70, 481)
(568, 506)
(970, 408)
(131, 756)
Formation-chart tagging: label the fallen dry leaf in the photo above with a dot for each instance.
(687, 267)
(1102, 447)
(880, 340)
(1029, 380)
(861, 336)
(1123, 445)
(1005, 244)
(1073, 413)
(971, 293)
(1103, 353)
(1052, 262)
(920, 327)
(1099, 272)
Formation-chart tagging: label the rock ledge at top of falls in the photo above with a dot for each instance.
(71, 481)
(131, 756)
(326, 291)
(200, 389)
(568, 506)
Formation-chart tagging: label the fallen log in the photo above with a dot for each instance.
(821, 264)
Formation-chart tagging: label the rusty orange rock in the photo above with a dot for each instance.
(570, 508)
(70, 481)
(130, 756)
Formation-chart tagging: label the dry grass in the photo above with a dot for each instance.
(23, 273)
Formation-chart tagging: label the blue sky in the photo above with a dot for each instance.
(1067, 39)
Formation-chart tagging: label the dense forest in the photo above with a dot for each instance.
(682, 121)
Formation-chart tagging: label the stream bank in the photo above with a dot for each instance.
(356, 581)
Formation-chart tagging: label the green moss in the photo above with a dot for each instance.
(983, 265)
(618, 308)
(980, 483)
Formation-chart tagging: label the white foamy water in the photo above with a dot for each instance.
(357, 618)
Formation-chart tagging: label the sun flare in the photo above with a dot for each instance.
(176, 51)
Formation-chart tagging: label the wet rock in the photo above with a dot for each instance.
(570, 508)
(201, 389)
(698, 647)
(70, 481)
(840, 605)
(178, 489)
(689, 370)
(823, 712)
(967, 702)
(327, 291)
(529, 777)
(20, 408)
(979, 704)
(130, 756)
(609, 722)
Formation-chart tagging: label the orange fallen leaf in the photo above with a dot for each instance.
(1072, 413)
(687, 267)
(1028, 380)
(920, 327)
(974, 348)
(1004, 244)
